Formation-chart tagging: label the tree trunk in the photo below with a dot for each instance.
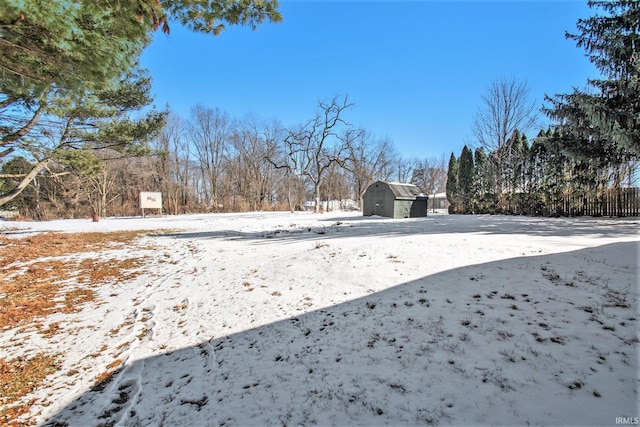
(10, 195)
(317, 193)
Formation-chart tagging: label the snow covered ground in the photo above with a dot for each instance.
(338, 319)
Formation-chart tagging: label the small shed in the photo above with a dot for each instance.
(394, 200)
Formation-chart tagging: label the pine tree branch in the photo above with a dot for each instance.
(23, 130)
(11, 194)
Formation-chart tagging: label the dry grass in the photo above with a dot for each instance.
(19, 377)
(104, 379)
(45, 274)
(59, 244)
(45, 287)
(36, 273)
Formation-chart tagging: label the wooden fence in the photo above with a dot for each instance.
(613, 202)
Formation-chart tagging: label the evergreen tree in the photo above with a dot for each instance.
(78, 45)
(452, 188)
(87, 44)
(482, 180)
(519, 159)
(11, 173)
(554, 174)
(466, 179)
(537, 162)
(480, 162)
(76, 124)
(605, 123)
(537, 165)
(509, 160)
(67, 61)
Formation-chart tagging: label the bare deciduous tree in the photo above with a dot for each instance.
(209, 133)
(403, 169)
(254, 177)
(368, 159)
(314, 147)
(174, 166)
(506, 107)
(430, 175)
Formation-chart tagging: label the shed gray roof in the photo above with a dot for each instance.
(405, 191)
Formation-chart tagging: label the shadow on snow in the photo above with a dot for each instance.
(504, 353)
(355, 226)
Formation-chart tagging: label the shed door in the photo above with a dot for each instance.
(378, 202)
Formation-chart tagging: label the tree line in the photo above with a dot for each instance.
(592, 148)
(213, 162)
(78, 135)
(74, 101)
(529, 179)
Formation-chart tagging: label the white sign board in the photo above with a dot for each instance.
(149, 200)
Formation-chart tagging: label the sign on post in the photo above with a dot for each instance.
(150, 200)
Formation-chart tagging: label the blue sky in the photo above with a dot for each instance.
(415, 70)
